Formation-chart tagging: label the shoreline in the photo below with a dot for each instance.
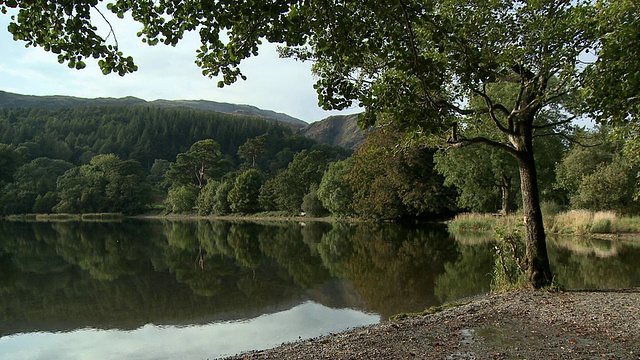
(525, 324)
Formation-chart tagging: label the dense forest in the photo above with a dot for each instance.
(139, 133)
(140, 159)
(114, 158)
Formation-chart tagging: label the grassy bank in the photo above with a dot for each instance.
(574, 222)
(67, 217)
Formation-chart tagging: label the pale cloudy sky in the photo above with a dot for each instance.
(282, 85)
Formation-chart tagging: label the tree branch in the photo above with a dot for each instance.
(111, 31)
(482, 140)
(562, 122)
(491, 107)
(568, 138)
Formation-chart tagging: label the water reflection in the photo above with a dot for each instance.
(180, 275)
(594, 263)
(185, 342)
(62, 276)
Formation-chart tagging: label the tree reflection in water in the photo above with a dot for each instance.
(67, 275)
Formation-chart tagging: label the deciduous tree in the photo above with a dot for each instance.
(412, 62)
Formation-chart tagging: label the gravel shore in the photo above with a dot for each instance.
(516, 325)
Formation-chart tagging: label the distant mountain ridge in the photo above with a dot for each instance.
(11, 100)
(340, 130)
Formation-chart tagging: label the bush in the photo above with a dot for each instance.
(311, 205)
(509, 265)
(181, 199)
(602, 226)
(206, 198)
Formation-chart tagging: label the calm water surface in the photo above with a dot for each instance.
(142, 289)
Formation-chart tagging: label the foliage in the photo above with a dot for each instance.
(34, 186)
(311, 205)
(206, 198)
(158, 171)
(243, 196)
(509, 256)
(196, 165)
(614, 78)
(132, 132)
(10, 160)
(483, 177)
(417, 74)
(391, 182)
(609, 187)
(291, 185)
(598, 178)
(221, 204)
(446, 51)
(267, 197)
(252, 148)
(181, 199)
(334, 192)
(153, 135)
(106, 184)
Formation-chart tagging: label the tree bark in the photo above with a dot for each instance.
(507, 194)
(537, 259)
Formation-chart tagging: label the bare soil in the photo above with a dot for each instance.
(516, 325)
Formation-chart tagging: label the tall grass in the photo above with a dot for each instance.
(584, 222)
(478, 223)
(573, 222)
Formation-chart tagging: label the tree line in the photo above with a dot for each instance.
(277, 171)
(123, 159)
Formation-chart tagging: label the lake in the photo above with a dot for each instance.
(203, 289)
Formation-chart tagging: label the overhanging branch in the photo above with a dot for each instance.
(553, 124)
(482, 140)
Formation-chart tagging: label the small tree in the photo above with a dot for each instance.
(206, 198)
(311, 205)
(221, 204)
(243, 196)
(181, 199)
(334, 191)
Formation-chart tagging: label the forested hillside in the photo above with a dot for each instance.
(116, 158)
(11, 100)
(132, 132)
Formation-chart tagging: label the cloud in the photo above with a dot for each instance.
(165, 72)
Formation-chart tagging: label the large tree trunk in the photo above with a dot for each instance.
(537, 258)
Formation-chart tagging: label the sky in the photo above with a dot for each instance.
(164, 72)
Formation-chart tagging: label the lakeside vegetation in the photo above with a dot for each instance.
(572, 222)
(282, 174)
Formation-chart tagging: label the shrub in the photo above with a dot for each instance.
(509, 265)
(311, 205)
